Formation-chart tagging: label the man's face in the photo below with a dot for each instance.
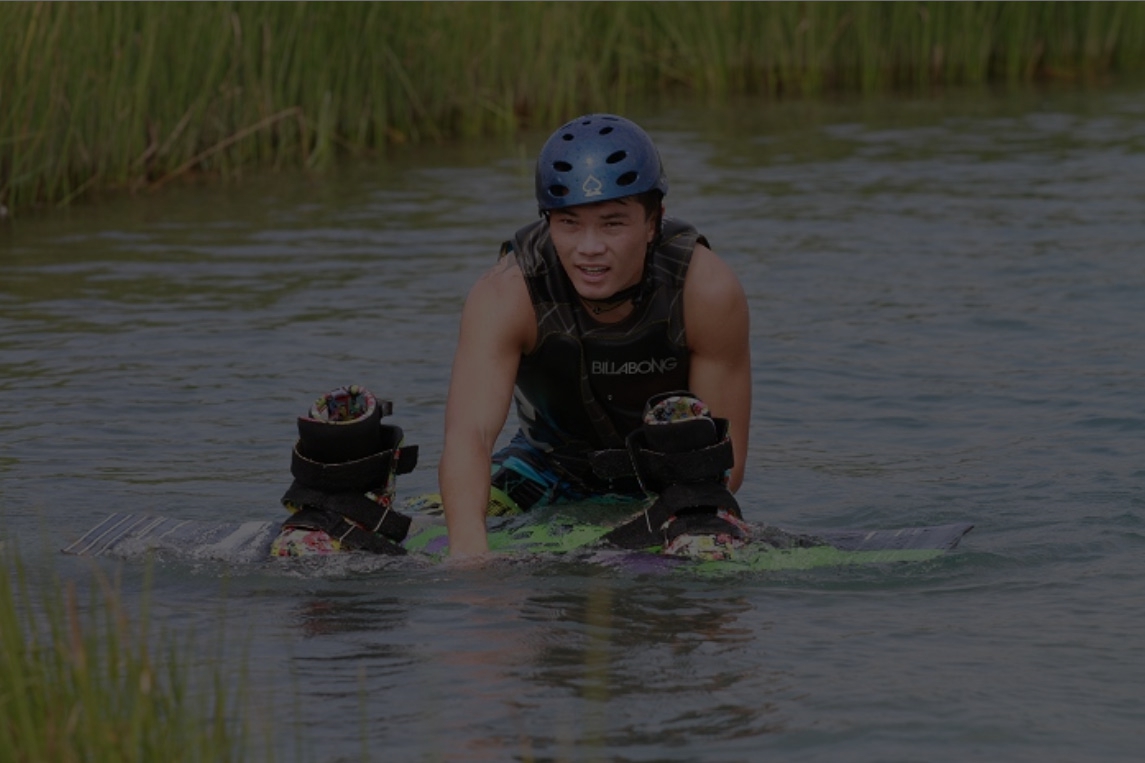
(602, 245)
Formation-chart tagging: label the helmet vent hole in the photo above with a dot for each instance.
(616, 156)
(560, 166)
(628, 178)
(558, 190)
(567, 136)
(605, 130)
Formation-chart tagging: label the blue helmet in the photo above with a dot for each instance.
(597, 157)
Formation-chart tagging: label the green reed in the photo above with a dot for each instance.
(134, 95)
(95, 687)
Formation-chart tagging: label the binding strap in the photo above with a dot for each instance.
(653, 526)
(348, 534)
(344, 464)
(689, 482)
(658, 469)
(356, 507)
(361, 475)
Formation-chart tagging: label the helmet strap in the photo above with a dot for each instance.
(631, 294)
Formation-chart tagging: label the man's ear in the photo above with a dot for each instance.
(656, 220)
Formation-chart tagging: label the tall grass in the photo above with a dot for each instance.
(133, 95)
(94, 687)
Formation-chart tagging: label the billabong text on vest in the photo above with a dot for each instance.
(633, 367)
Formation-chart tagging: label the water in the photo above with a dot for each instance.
(947, 322)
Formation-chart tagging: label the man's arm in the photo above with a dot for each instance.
(497, 326)
(718, 326)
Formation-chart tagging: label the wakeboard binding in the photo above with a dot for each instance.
(683, 457)
(345, 464)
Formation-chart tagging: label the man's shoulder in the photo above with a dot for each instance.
(710, 280)
(498, 305)
(705, 262)
(502, 280)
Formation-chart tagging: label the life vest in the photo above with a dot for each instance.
(584, 385)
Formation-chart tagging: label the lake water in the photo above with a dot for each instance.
(947, 325)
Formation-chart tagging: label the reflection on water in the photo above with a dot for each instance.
(946, 323)
(646, 663)
(577, 667)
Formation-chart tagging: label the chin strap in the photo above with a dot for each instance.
(634, 294)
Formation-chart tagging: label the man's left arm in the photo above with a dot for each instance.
(718, 328)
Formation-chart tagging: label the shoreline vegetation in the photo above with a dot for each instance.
(131, 96)
(86, 684)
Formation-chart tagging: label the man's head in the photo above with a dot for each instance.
(600, 182)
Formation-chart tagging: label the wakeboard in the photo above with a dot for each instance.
(129, 535)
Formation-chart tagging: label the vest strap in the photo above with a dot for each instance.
(576, 406)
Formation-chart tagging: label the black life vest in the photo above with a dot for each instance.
(584, 386)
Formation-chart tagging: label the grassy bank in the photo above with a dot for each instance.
(95, 687)
(135, 95)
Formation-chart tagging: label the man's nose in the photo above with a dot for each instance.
(591, 242)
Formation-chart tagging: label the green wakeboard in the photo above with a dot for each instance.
(548, 533)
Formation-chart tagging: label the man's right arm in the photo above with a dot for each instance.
(497, 327)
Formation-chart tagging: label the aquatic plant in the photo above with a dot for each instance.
(133, 95)
(95, 687)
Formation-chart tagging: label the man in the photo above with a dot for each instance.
(593, 317)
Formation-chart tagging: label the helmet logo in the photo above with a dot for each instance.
(592, 187)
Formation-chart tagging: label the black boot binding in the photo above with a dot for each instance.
(344, 465)
(682, 456)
